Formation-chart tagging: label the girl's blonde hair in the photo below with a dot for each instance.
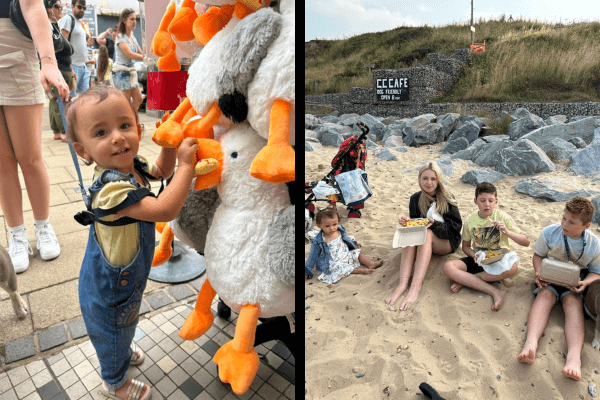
(443, 197)
(102, 62)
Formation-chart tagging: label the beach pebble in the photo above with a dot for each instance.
(592, 390)
(498, 377)
(405, 347)
(360, 375)
(385, 340)
(392, 308)
(493, 388)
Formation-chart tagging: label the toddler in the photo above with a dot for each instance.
(333, 252)
(105, 129)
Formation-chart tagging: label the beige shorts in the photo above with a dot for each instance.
(19, 68)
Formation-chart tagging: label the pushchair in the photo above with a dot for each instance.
(340, 163)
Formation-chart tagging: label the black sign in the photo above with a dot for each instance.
(391, 88)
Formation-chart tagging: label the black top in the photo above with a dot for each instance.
(447, 230)
(4, 4)
(63, 57)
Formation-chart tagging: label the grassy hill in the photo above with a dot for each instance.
(524, 60)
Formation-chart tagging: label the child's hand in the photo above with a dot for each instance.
(403, 219)
(538, 280)
(186, 153)
(358, 245)
(431, 221)
(500, 226)
(579, 288)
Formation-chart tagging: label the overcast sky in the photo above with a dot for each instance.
(336, 19)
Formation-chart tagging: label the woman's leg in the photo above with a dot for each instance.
(25, 131)
(127, 93)
(406, 266)
(11, 200)
(136, 94)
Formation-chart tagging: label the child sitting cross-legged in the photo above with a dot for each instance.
(333, 252)
(569, 240)
(489, 229)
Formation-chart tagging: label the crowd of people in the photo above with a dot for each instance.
(336, 254)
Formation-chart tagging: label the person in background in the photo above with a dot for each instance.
(127, 53)
(104, 67)
(78, 40)
(63, 57)
(21, 113)
(107, 38)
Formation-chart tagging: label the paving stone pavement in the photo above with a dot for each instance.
(173, 368)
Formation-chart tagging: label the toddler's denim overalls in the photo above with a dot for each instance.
(110, 296)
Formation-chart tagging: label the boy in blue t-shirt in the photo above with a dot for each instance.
(568, 240)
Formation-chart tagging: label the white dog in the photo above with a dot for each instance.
(8, 282)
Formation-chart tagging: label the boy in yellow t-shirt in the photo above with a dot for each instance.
(488, 229)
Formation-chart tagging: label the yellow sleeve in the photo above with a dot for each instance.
(152, 167)
(111, 195)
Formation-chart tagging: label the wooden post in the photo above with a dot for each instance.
(471, 21)
(370, 72)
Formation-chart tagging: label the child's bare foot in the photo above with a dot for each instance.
(572, 369)
(455, 287)
(498, 298)
(527, 356)
(375, 264)
(410, 298)
(395, 295)
(362, 271)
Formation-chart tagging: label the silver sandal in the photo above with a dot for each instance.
(135, 350)
(133, 393)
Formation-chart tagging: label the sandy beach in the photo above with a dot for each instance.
(454, 342)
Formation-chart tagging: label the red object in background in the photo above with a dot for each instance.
(478, 47)
(166, 90)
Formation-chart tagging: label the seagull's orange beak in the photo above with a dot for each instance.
(209, 148)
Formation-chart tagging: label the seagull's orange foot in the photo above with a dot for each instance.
(161, 255)
(161, 43)
(236, 367)
(169, 134)
(182, 23)
(275, 163)
(196, 324)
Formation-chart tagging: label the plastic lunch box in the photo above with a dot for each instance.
(559, 272)
(410, 235)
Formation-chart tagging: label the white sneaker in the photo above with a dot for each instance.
(47, 243)
(19, 248)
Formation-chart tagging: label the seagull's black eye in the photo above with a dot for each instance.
(234, 154)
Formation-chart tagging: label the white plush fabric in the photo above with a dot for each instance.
(238, 240)
(275, 78)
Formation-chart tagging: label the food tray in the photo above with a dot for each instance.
(416, 220)
(495, 258)
(560, 273)
(409, 236)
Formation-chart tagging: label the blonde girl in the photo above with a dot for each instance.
(442, 237)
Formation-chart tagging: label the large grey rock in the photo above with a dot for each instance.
(495, 138)
(559, 149)
(520, 113)
(583, 128)
(386, 154)
(453, 146)
(345, 116)
(596, 204)
(448, 122)
(422, 131)
(310, 134)
(393, 141)
(466, 118)
(328, 127)
(444, 161)
(392, 130)
(469, 130)
(469, 152)
(350, 121)
(557, 119)
(587, 161)
(532, 187)
(310, 121)
(312, 146)
(476, 176)
(523, 126)
(330, 118)
(332, 139)
(523, 158)
(489, 156)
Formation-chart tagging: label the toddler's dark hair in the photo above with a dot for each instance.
(485, 187)
(101, 93)
(582, 208)
(327, 213)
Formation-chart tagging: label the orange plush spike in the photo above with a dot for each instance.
(170, 62)
(194, 129)
(201, 318)
(160, 226)
(237, 360)
(162, 40)
(208, 149)
(211, 22)
(241, 11)
(181, 25)
(255, 4)
(163, 251)
(190, 114)
(276, 161)
(170, 133)
(164, 118)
